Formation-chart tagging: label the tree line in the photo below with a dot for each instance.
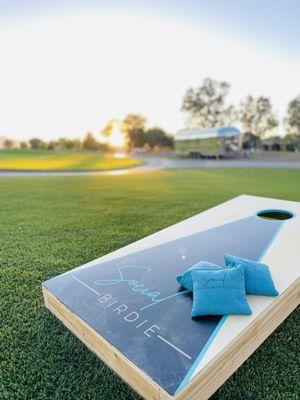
(137, 135)
(133, 128)
(205, 107)
(88, 143)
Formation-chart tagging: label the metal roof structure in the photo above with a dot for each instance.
(222, 132)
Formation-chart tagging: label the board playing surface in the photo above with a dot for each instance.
(132, 306)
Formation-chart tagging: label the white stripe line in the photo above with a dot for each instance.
(87, 286)
(174, 347)
(160, 337)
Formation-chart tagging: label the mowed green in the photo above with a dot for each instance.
(52, 224)
(49, 160)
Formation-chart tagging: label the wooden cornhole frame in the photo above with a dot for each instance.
(187, 370)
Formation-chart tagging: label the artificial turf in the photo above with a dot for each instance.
(51, 160)
(52, 224)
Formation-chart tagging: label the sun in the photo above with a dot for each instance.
(116, 138)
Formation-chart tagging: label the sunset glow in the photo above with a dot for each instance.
(116, 138)
(120, 155)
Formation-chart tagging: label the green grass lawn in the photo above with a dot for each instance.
(52, 224)
(50, 160)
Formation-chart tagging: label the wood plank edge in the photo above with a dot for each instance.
(207, 381)
(138, 380)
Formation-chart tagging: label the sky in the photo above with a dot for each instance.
(68, 67)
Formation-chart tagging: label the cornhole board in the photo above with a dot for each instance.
(128, 308)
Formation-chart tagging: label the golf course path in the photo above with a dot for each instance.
(158, 163)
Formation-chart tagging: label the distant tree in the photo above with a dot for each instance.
(8, 144)
(230, 115)
(205, 105)
(257, 116)
(292, 119)
(248, 114)
(157, 137)
(69, 144)
(24, 145)
(292, 142)
(266, 118)
(109, 127)
(250, 141)
(37, 144)
(133, 127)
(89, 142)
(60, 144)
(77, 144)
(51, 145)
(64, 144)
